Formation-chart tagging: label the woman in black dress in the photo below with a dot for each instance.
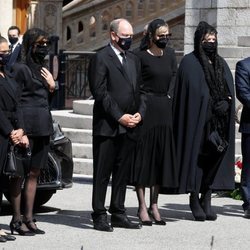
(36, 84)
(154, 164)
(10, 126)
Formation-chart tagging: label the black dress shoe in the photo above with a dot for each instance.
(121, 220)
(2, 239)
(101, 224)
(247, 213)
(8, 237)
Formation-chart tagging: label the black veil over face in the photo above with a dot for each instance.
(202, 30)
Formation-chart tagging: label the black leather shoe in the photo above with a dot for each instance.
(101, 224)
(2, 239)
(121, 220)
(8, 237)
(247, 213)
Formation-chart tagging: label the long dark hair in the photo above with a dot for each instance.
(29, 39)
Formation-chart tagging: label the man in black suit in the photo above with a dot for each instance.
(242, 82)
(15, 45)
(114, 77)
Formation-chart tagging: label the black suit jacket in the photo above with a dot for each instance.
(15, 56)
(242, 83)
(8, 115)
(34, 101)
(8, 105)
(115, 92)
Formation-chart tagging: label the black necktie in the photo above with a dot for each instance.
(124, 63)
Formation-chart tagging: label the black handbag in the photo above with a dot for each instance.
(17, 161)
(216, 142)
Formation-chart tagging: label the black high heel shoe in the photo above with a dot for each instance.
(156, 222)
(16, 226)
(35, 229)
(144, 222)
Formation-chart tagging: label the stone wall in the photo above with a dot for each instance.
(232, 20)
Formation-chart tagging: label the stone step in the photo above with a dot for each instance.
(83, 107)
(78, 135)
(237, 146)
(67, 119)
(83, 166)
(80, 150)
(237, 133)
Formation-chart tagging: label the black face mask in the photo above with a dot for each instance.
(209, 48)
(161, 43)
(41, 52)
(124, 43)
(4, 59)
(13, 40)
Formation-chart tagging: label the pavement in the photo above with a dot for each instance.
(66, 218)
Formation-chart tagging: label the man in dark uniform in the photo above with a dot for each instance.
(242, 82)
(114, 76)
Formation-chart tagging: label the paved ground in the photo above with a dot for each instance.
(67, 222)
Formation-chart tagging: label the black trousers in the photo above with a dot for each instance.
(245, 173)
(112, 156)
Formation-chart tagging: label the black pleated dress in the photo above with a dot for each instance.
(154, 159)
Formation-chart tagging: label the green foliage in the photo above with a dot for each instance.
(236, 194)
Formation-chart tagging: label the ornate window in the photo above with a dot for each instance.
(92, 26)
(80, 27)
(129, 11)
(68, 33)
(162, 4)
(140, 8)
(80, 37)
(117, 12)
(151, 6)
(105, 20)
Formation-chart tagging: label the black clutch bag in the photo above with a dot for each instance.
(216, 142)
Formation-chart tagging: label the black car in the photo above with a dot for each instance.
(58, 174)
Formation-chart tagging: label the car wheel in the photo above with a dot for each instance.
(42, 196)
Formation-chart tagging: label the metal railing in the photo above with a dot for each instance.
(72, 78)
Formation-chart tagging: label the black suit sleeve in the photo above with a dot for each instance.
(242, 83)
(5, 124)
(98, 80)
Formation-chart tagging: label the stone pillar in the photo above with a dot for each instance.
(47, 15)
(195, 12)
(6, 18)
(231, 19)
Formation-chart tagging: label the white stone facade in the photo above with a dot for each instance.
(232, 21)
(6, 18)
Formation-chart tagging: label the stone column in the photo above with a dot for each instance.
(47, 15)
(231, 19)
